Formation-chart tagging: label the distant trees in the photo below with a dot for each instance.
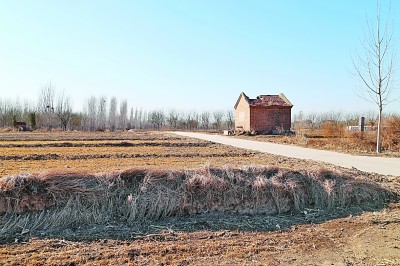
(123, 115)
(157, 118)
(131, 119)
(91, 114)
(63, 110)
(101, 113)
(112, 115)
(230, 119)
(192, 120)
(53, 110)
(32, 120)
(9, 110)
(173, 118)
(46, 106)
(217, 116)
(137, 119)
(375, 66)
(205, 119)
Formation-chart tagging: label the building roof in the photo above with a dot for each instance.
(266, 100)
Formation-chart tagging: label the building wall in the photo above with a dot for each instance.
(242, 115)
(266, 119)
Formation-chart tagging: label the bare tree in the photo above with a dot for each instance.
(131, 119)
(312, 119)
(32, 120)
(27, 109)
(230, 119)
(205, 119)
(101, 113)
(91, 113)
(112, 116)
(63, 110)
(77, 121)
(173, 118)
(192, 120)
(218, 115)
(145, 119)
(46, 105)
(136, 119)
(375, 66)
(157, 118)
(123, 115)
(139, 119)
(10, 112)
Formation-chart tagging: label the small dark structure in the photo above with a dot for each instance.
(265, 114)
(22, 126)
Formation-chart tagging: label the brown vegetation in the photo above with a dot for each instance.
(332, 135)
(141, 194)
(204, 210)
(106, 152)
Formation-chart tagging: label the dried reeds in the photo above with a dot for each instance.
(73, 198)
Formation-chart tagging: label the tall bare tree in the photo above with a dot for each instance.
(46, 105)
(10, 112)
(91, 113)
(205, 119)
(191, 120)
(123, 115)
(173, 118)
(112, 116)
(131, 119)
(375, 65)
(157, 118)
(63, 110)
(217, 116)
(230, 119)
(101, 113)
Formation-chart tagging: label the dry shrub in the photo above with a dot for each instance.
(391, 134)
(331, 129)
(6, 129)
(358, 141)
(60, 198)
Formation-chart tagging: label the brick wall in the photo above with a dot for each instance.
(266, 119)
(242, 115)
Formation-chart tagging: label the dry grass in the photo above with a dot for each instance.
(65, 199)
(87, 136)
(163, 213)
(332, 135)
(99, 152)
(341, 141)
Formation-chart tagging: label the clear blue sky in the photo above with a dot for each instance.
(187, 54)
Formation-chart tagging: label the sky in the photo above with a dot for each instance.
(189, 55)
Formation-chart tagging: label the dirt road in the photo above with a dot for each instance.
(380, 165)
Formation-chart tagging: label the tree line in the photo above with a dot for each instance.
(53, 110)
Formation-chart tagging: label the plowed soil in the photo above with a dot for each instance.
(348, 236)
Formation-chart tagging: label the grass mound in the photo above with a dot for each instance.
(54, 198)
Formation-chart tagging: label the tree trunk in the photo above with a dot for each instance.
(378, 135)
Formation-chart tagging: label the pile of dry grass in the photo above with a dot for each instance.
(71, 198)
(391, 134)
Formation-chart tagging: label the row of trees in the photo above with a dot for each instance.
(54, 110)
(314, 120)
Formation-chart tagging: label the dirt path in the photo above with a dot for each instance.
(380, 165)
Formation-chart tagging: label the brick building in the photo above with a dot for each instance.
(265, 114)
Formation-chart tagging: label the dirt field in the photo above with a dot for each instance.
(349, 235)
